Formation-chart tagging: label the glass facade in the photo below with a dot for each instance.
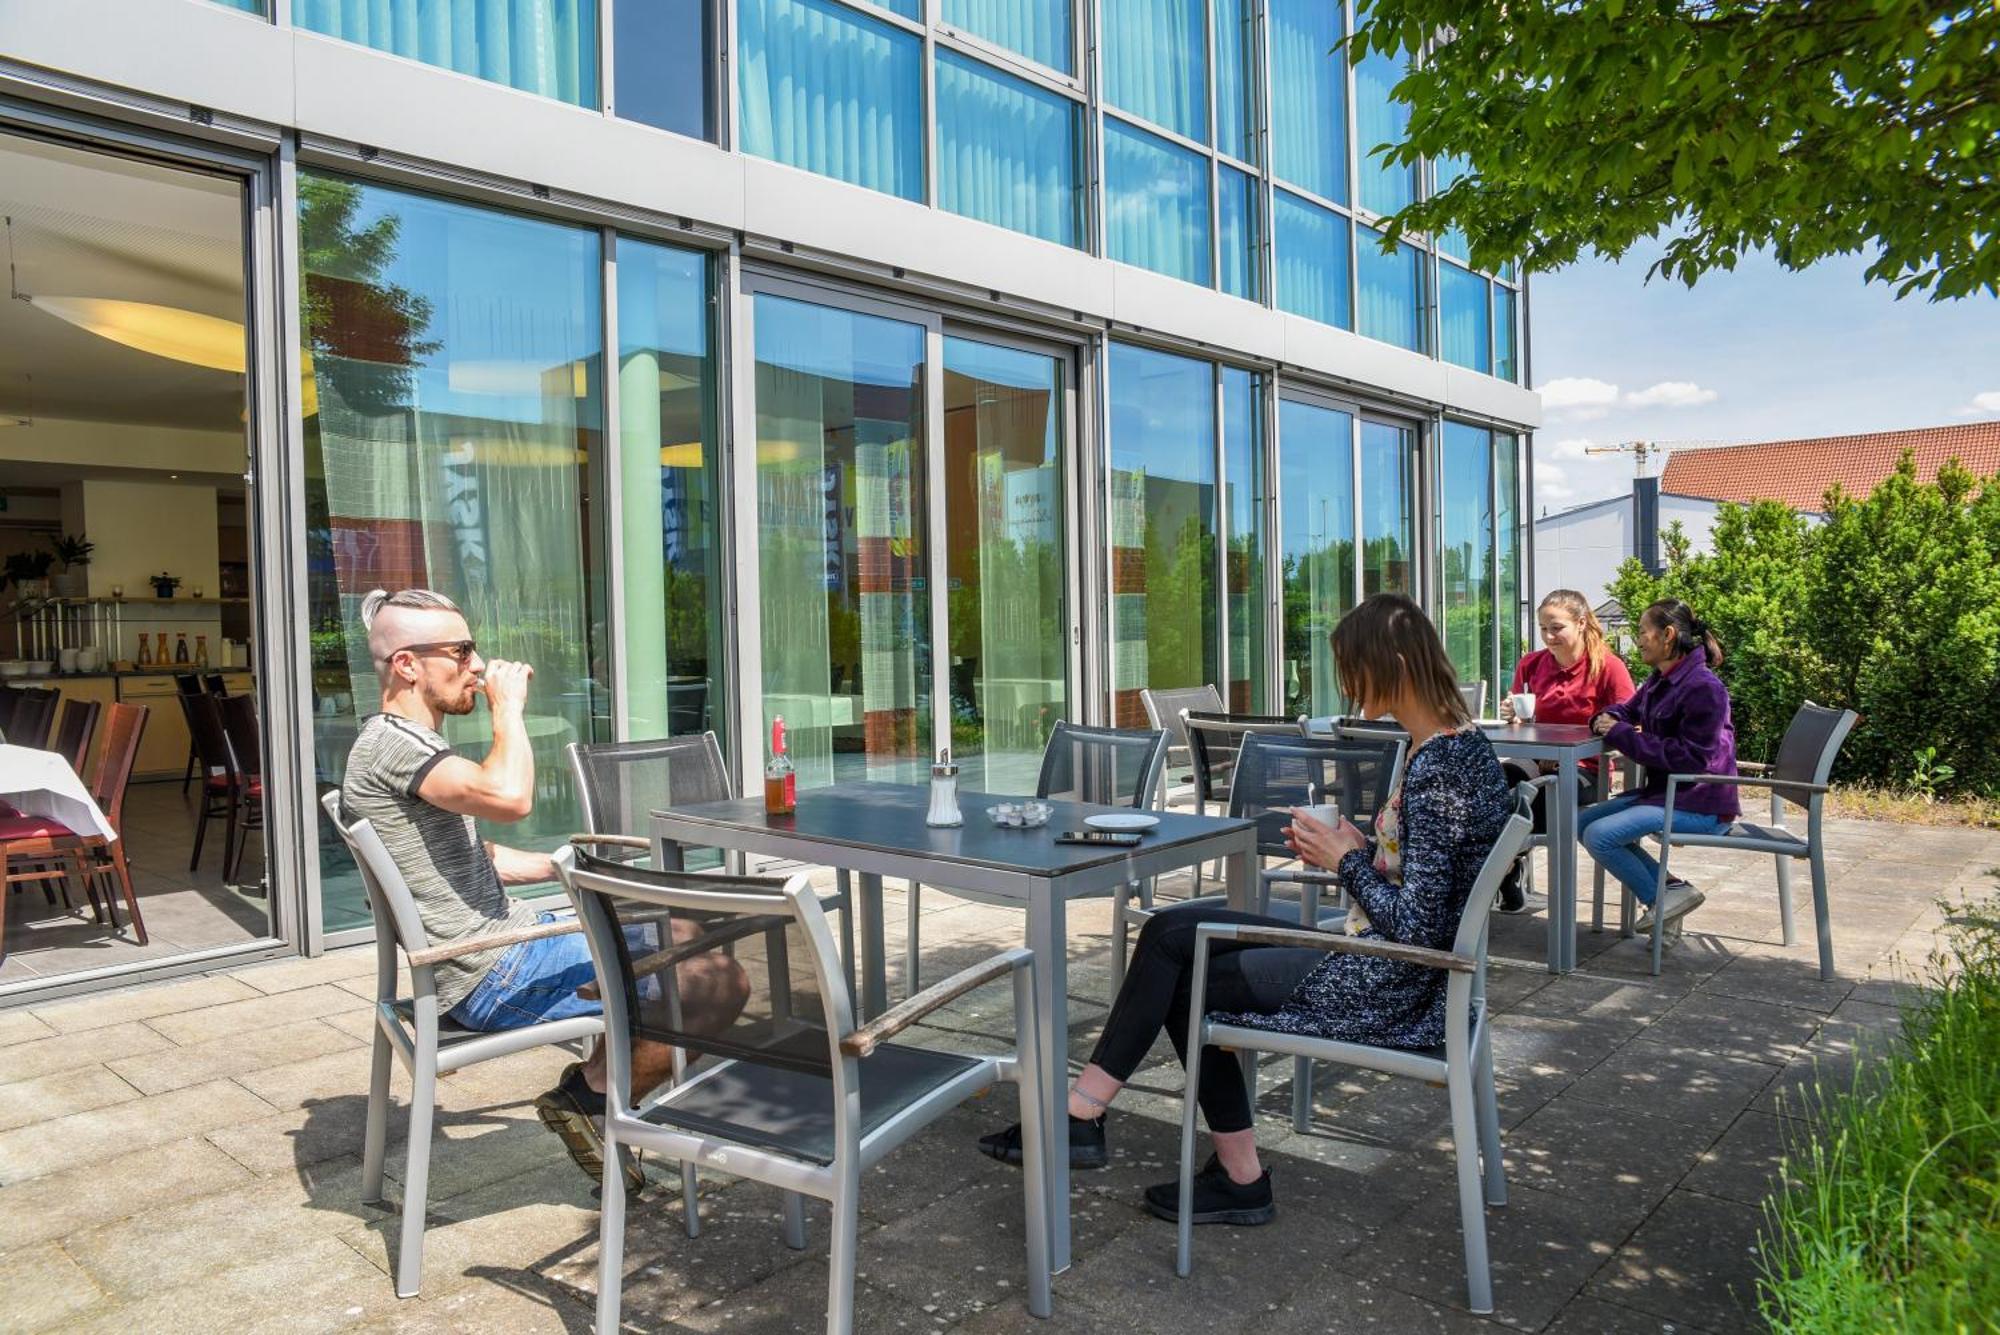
(1240, 208)
(1390, 292)
(1388, 520)
(1480, 607)
(1243, 564)
(1009, 152)
(1155, 55)
(1238, 105)
(1316, 519)
(1311, 250)
(1309, 96)
(1380, 119)
(1156, 204)
(1506, 362)
(1042, 30)
(826, 88)
(669, 496)
(455, 412)
(1465, 319)
(539, 46)
(663, 74)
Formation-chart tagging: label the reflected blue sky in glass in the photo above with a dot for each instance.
(1156, 203)
(1463, 319)
(1007, 150)
(1312, 260)
(1390, 290)
(1038, 29)
(1242, 233)
(1155, 56)
(660, 49)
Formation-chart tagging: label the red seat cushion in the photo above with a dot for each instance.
(33, 827)
(220, 783)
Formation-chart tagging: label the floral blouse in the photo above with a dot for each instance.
(1431, 841)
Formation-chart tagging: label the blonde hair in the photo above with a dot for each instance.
(1387, 638)
(1594, 646)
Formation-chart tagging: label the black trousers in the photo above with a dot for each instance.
(1159, 988)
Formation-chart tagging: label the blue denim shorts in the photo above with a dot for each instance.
(532, 982)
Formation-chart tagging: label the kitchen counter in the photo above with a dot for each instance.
(45, 678)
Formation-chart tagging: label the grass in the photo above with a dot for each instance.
(1862, 802)
(1888, 1212)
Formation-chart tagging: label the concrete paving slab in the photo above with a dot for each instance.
(20, 1026)
(290, 975)
(1694, 1259)
(26, 1102)
(1743, 1164)
(312, 1284)
(236, 1054)
(41, 1288)
(46, 1056)
(255, 1012)
(64, 1142)
(104, 1190)
(1678, 1084)
(1572, 1148)
(1758, 1030)
(193, 994)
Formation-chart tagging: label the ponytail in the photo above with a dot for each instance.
(1594, 646)
(1690, 631)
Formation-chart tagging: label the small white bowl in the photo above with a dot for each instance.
(1020, 815)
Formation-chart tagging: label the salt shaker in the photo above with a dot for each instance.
(944, 793)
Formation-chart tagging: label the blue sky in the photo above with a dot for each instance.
(1757, 354)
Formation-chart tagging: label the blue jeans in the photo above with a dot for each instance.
(1611, 832)
(532, 982)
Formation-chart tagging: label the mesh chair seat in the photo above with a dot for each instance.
(791, 1112)
(449, 1030)
(1765, 838)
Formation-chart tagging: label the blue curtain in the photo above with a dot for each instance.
(541, 46)
(1312, 260)
(1007, 150)
(1380, 119)
(1155, 203)
(1463, 320)
(1309, 97)
(1505, 364)
(829, 90)
(1242, 230)
(1235, 114)
(1390, 291)
(1156, 62)
(1038, 29)
(247, 6)
(1451, 241)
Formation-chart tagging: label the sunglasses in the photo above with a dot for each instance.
(462, 650)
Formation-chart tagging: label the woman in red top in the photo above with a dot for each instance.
(1573, 680)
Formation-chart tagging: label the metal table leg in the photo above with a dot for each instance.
(1562, 868)
(874, 964)
(1048, 937)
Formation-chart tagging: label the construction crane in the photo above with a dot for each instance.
(1644, 450)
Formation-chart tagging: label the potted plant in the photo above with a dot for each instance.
(29, 573)
(164, 584)
(73, 550)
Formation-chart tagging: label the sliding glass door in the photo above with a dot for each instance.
(1316, 484)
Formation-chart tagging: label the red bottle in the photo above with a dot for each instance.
(781, 781)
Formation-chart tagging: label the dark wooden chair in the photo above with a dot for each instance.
(34, 715)
(219, 795)
(246, 762)
(73, 734)
(187, 684)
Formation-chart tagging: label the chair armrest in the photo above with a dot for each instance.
(1334, 943)
(472, 944)
(1754, 766)
(664, 959)
(610, 841)
(1746, 781)
(898, 1018)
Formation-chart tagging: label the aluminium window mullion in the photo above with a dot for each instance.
(930, 118)
(1214, 134)
(1221, 519)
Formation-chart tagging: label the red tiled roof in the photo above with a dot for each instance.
(1798, 472)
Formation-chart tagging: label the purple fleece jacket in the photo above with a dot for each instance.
(1678, 723)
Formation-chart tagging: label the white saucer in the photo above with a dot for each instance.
(1123, 820)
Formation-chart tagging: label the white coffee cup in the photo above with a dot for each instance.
(67, 658)
(1326, 814)
(1524, 706)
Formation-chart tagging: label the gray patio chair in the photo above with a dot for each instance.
(1463, 1064)
(1112, 767)
(1163, 711)
(1213, 739)
(801, 1098)
(1474, 693)
(418, 1035)
(1273, 775)
(1805, 760)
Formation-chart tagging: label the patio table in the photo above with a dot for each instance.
(877, 829)
(41, 783)
(1566, 745)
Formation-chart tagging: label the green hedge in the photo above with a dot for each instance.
(1891, 607)
(1888, 1213)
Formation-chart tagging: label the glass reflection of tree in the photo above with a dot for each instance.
(1180, 601)
(1329, 569)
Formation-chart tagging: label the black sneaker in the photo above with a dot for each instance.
(1217, 1199)
(1086, 1144)
(573, 1111)
(1512, 899)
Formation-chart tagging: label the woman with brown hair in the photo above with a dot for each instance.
(1409, 885)
(1574, 677)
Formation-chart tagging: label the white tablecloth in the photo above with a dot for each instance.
(41, 783)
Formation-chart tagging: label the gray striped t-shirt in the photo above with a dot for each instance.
(440, 854)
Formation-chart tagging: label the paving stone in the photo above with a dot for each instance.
(309, 1284)
(1679, 1084)
(66, 1052)
(1532, 1045)
(257, 1012)
(41, 1288)
(69, 1017)
(1543, 1247)
(1694, 1259)
(1758, 1030)
(507, 1300)
(238, 1054)
(1788, 980)
(1625, 1005)
(793, 1302)
(49, 1147)
(1340, 1300)
(332, 967)
(21, 1026)
(1837, 1056)
(26, 1102)
(1576, 1149)
(1594, 1316)
(1743, 1164)
(104, 1190)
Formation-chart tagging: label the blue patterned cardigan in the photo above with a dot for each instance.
(1454, 803)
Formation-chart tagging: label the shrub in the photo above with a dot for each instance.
(1891, 607)
(1888, 1212)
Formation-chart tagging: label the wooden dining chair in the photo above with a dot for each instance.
(73, 734)
(37, 849)
(34, 715)
(220, 783)
(246, 765)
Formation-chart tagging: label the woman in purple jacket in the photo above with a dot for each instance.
(1677, 723)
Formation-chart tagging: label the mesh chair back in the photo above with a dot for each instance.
(1215, 737)
(1163, 708)
(34, 715)
(1475, 696)
(117, 752)
(1812, 740)
(1507, 848)
(621, 784)
(665, 941)
(211, 743)
(1276, 773)
(389, 897)
(79, 720)
(1113, 767)
(241, 733)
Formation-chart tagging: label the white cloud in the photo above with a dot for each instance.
(1579, 397)
(1671, 394)
(1552, 485)
(1982, 405)
(1576, 447)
